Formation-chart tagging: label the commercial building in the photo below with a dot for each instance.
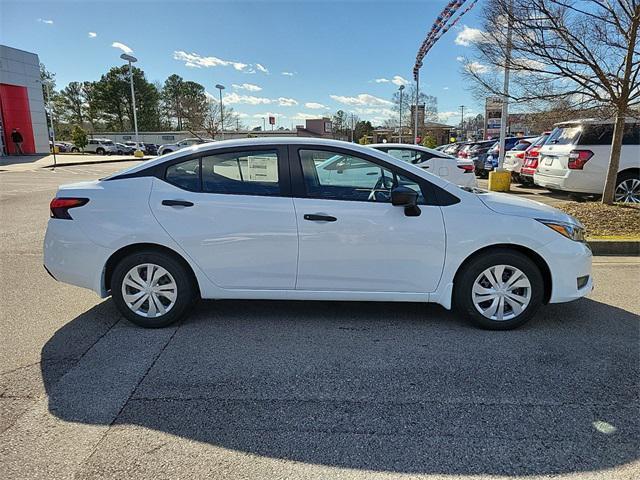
(22, 102)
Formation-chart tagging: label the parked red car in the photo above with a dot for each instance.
(531, 155)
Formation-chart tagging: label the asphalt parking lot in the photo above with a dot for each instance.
(257, 389)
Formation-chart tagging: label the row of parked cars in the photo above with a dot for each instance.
(105, 146)
(573, 157)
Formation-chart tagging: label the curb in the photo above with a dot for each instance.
(615, 247)
(133, 159)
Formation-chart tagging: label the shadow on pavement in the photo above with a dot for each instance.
(384, 387)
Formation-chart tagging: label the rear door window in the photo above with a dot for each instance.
(597, 134)
(631, 134)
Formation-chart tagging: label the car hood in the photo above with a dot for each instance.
(508, 204)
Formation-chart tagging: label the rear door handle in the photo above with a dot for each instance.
(319, 218)
(177, 203)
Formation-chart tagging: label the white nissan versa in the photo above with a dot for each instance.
(258, 219)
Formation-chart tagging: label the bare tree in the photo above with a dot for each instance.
(211, 123)
(581, 51)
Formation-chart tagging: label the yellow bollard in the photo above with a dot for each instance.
(499, 181)
(138, 154)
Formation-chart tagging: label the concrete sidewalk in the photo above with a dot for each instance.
(31, 162)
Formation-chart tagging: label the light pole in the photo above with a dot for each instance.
(401, 88)
(415, 124)
(131, 59)
(53, 130)
(462, 122)
(220, 88)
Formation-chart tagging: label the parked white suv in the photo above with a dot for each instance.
(101, 146)
(187, 142)
(575, 158)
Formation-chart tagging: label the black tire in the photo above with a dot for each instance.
(466, 278)
(100, 151)
(628, 177)
(186, 292)
(74, 150)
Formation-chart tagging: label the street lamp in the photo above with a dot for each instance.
(131, 59)
(400, 128)
(220, 88)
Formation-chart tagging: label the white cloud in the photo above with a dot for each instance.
(288, 74)
(363, 99)
(446, 116)
(122, 47)
(195, 60)
(476, 67)
(266, 115)
(287, 102)
(377, 111)
(44, 20)
(235, 98)
(306, 116)
(242, 115)
(250, 87)
(314, 105)
(460, 58)
(469, 35)
(261, 68)
(398, 80)
(381, 80)
(445, 88)
(92, 34)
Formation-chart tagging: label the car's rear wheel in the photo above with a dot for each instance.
(499, 290)
(152, 289)
(100, 151)
(628, 188)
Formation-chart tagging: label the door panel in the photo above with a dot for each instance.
(369, 247)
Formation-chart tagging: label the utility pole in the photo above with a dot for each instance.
(462, 121)
(505, 97)
(352, 120)
(220, 88)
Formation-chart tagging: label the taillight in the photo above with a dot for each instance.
(577, 159)
(60, 206)
(520, 155)
(466, 168)
(462, 154)
(531, 162)
(534, 152)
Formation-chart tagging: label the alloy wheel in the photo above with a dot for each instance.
(628, 191)
(501, 292)
(149, 290)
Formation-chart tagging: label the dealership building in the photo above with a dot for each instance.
(22, 102)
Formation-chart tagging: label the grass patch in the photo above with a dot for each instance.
(607, 222)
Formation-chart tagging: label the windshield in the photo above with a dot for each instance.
(564, 135)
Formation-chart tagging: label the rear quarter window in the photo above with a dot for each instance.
(564, 135)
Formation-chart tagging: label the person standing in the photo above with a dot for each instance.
(16, 138)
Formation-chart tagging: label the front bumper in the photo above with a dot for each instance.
(568, 261)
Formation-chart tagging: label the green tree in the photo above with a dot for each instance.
(171, 95)
(113, 99)
(79, 137)
(429, 141)
(72, 103)
(362, 128)
(340, 124)
(48, 79)
(195, 105)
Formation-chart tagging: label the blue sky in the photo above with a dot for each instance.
(295, 59)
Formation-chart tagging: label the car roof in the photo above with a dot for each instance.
(274, 141)
(432, 151)
(594, 121)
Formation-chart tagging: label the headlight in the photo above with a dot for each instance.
(569, 230)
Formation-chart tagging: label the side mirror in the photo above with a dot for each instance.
(406, 197)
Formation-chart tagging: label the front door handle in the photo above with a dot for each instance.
(177, 203)
(314, 217)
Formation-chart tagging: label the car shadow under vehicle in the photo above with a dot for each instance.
(376, 386)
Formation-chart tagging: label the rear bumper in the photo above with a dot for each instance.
(569, 182)
(70, 257)
(570, 261)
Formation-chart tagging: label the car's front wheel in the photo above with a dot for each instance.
(499, 290)
(100, 151)
(152, 289)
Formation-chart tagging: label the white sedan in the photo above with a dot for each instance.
(456, 170)
(259, 219)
